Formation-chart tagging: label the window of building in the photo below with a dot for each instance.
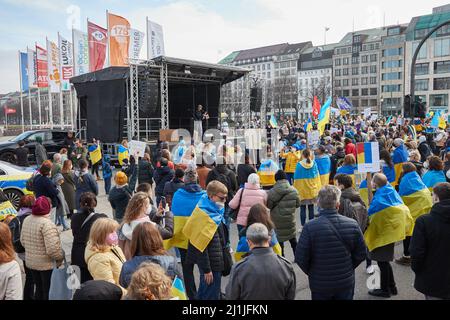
(421, 84)
(364, 81)
(364, 103)
(373, 91)
(337, 62)
(346, 93)
(364, 92)
(373, 80)
(268, 74)
(392, 52)
(373, 102)
(391, 88)
(439, 101)
(364, 59)
(345, 82)
(355, 92)
(442, 47)
(392, 64)
(264, 67)
(422, 68)
(268, 66)
(441, 84)
(373, 58)
(364, 47)
(355, 60)
(443, 31)
(391, 76)
(337, 72)
(345, 61)
(371, 47)
(357, 38)
(355, 81)
(393, 31)
(259, 67)
(373, 69)
(364, 70)
(422, 52)
(355, 103)
(277, 73)
(337, 83)
(442, 67)
(345, 72)
(355, 71)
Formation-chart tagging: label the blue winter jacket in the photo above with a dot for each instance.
(324, 258)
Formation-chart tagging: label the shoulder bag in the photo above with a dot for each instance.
(234, 212)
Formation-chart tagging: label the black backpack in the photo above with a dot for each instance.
(15, 226)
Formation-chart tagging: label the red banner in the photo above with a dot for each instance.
(9, 111)
(41, 70)
(119, 40)
(316, 107)
(98, 39)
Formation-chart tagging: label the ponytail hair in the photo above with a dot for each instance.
(307, 155)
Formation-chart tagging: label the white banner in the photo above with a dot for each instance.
(66, 59)
(54, 77)
(136, 42)
(367, 112)
(32, 68)
(155, 40)
(137, 148)
(313, 138)
(80, 52)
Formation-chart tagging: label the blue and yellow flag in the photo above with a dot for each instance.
(389, 219)
(178, 289)
(7, 209)
(438, 121)
(415, 195)
(123, 154)
(266, 172)
(432, 177)
(243, 248)
(324, 166)
(273, 122)
(95, 153)
(364, 192)
(183, 204)
(389, 172)
(324, 116)
(348, 169)
(307, 180)
(203, 223)
(399, 158)
(308, 125)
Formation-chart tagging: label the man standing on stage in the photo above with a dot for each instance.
(199, 116)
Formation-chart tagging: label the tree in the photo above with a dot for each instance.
(319, 87)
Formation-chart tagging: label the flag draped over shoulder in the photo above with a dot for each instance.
(308, 125)
(123, 154)
(324, 166)
(389, 219)
(243, 248)
(349, 170)
(364, 192)
(307, 180)
(95, 153)
(203, 223)
(324, 116)
(178, 289)
(266, 172)
(183, 204)
(400, 156)
(432, 177)
(415, 195)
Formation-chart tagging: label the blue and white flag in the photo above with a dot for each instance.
(24, 71)
(343, 103)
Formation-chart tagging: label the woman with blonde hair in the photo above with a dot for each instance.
(150, 282)
(103, 256)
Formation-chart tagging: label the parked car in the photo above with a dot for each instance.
(53, 141)
(13, 181)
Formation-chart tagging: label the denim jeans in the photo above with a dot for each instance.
(303, 213)
(212, 291)
(107, 185)
(344, 295)
(290, 178)
(59, 220)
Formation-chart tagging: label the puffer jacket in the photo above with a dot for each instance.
(105, 265)
(42, 243)
(84, 182)
(292, 158)
(282, 201)
(145, 172)
(118, 198)
(232, 184)
(324, 258)
(210, 260)
(161, 176)
(167, 262)
(252, 195)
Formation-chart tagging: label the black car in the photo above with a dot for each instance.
(53, 141)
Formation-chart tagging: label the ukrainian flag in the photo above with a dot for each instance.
(243, 248)
(349, 170)
(438, 121)
(389, 172)
(266, 172)
(324, 116)
(389, 219)
(432, 178)
(324, 166)
(273, 122)
(203, 223)
(95, 153)
(183, 204)
(400, 156)
(123, 154)
(364, 192)
(415, 195)
(178, 289)
(307, 180)
(308, 125)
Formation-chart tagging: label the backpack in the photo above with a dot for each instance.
(15, 226)
(356, 211)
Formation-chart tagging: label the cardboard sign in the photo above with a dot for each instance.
(368, 157)
(367, 112)
(313, 138)
(137, 148)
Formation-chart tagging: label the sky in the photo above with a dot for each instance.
(203, 30)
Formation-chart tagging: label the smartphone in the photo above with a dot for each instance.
(163, 202)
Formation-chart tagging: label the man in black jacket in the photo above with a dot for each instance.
(329, 250)
(430, 247)
(22, 155)
(162, 175)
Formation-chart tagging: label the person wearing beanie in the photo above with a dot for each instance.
(283, 200)
(62, 209)
(172, 186)
(120, 195)
(162, 175)
(40, 238)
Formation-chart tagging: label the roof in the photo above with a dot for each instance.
(426, 22)
(262, 52)
(229, 58)
(327, 47)
(297, 47)
(371, 36)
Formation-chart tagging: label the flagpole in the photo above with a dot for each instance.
(89, 45)
(39, 107)
(71, 108)
(61, 101)
(21, 97)
(50, 104)
(146, 32)
(108, 44)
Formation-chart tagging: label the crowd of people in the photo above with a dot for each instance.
(171, 212)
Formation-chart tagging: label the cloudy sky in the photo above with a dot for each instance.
(205, 30)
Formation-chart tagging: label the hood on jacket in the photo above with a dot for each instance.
(168, 262)
(306, 165)
(192, 188)
(118, 193)
(351, 194)
(128, 228)
(222, 168)
(106, 158)
(442, 211)
(24, 212)
(79, 173)
(57, 177)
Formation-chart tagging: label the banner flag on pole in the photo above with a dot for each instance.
(119, 40)
(343, 103)
(80, 52)
(66, 59)
(324, 116)
(41, 67)
(54, 77)
(155, 40)
(273, 122)
(31, 68)
(97, 39)
(24, 71)
(95, 153)
(316, 107)
(136, 42)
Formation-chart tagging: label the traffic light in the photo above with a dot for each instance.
(407, 107)
(420, 109)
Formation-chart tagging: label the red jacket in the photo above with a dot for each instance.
(350, 148)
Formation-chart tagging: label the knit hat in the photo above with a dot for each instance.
(121, 178)
(190, 176)
(398, 142)
(41, 207)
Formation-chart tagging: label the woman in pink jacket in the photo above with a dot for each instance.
(252, 194)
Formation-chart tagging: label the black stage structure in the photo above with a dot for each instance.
(149, 95)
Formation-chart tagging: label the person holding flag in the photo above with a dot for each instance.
(417, 198)
(348, 167)
(324, 165)
(206, 232)
(308, 125)
(95, 155)
(123, 152)
(324, 116)
(389, 222)
(266, 172)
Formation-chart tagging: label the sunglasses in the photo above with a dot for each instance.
(221, 198)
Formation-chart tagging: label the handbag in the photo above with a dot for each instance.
(227, 258)
(64, 281)
(234, 212)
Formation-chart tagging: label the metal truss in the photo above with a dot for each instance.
(263, 105)
(164, 89)
(133, 123)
